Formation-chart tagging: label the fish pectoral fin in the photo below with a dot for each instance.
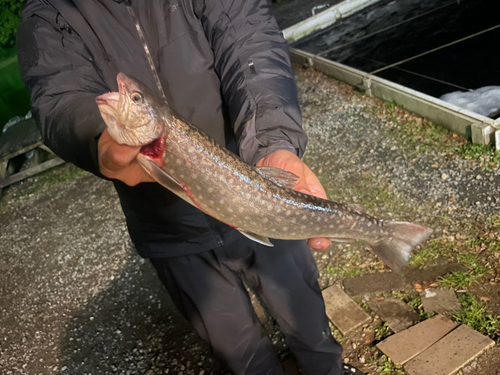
(257, 238)
(279, 176)
(162, 177)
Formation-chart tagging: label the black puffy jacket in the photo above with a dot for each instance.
(223, 65)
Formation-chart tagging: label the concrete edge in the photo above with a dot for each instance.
(480, 129)
(325, 18)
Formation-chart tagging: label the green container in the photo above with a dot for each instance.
(14, 97)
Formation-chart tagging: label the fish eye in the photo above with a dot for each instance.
(137, 97)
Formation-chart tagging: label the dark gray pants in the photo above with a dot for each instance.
(208, 291)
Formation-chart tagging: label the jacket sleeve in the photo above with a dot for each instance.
(251, 59)
(63, 82)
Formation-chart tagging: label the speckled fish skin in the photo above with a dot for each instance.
(193, 166)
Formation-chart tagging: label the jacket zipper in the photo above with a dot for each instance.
(210, 221)
(146, 49)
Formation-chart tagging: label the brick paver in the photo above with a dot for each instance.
(403, 346)
(372, 283)
(343, 311)
(450, 354)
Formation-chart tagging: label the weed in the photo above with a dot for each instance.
(389, 368)
(382, 331)
(458, 280)
(343, 273)
(474, 314)
(432, 249)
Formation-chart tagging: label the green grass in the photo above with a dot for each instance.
(431, 250)
(458, 280)
(475, 315)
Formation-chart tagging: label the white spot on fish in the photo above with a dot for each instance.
(304, 217)
(332, 226)
(303, 227)
(198, 187)
(248, 195)
(221, 201)
(241, 209)
(270, 207)
(285, 229)
(319, 218)
(210, 190)
(231, 181)
(265, 220)
(178, 162)
(288, 213)
(211, 202)
(237, 188)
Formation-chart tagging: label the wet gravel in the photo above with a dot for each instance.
(76, 299)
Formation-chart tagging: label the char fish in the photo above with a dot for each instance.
(258, 202)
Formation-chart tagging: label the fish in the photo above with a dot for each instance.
(259, 202)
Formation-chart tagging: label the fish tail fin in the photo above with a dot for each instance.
(395, 250)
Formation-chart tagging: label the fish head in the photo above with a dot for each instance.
(133, 114)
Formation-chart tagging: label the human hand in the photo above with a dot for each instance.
(307, 183)
(119, 161)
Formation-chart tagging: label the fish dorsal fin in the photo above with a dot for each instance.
(279, 176)
(257, 238)
(356, 207)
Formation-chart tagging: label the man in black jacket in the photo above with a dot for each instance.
(223, 65)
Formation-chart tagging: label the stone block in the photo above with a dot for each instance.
(405, 345)
(343, 311)
(450, 354)
(440, 300)
(398, 315)
(373, 283)
(428, 274)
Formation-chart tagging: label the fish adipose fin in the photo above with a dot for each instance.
(395, 250)
(279, 176)
(161, 176)
(257, 238)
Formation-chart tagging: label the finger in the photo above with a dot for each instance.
(319, 243)
(134, 175)
(122, 155)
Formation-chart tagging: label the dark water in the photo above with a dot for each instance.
(394, 31)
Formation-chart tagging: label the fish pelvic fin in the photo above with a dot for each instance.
(395, 250)
(257, 238)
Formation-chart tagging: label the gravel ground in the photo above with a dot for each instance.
(76, 299)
